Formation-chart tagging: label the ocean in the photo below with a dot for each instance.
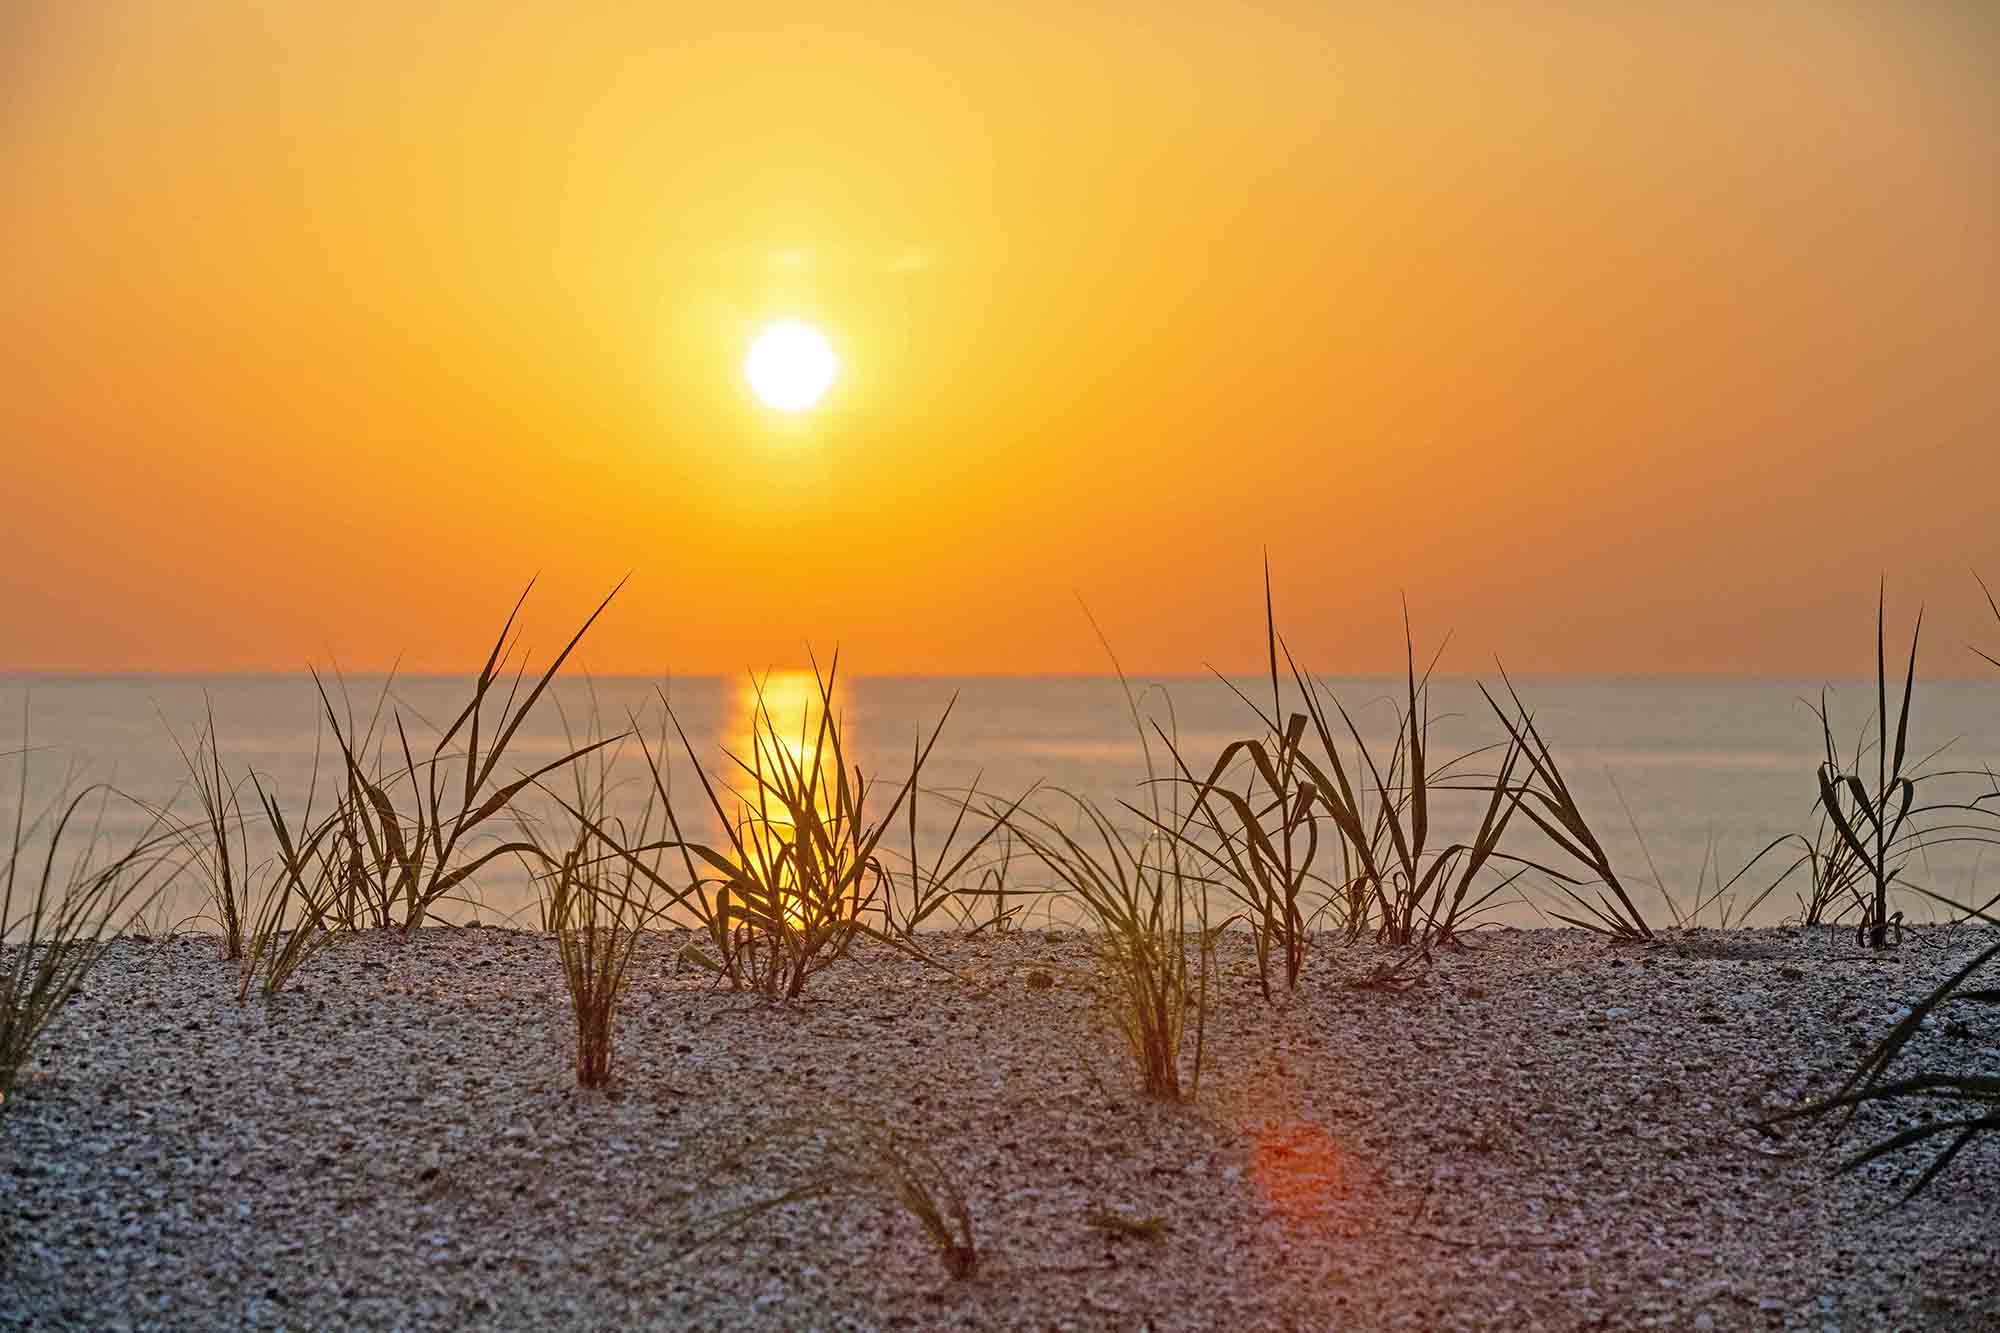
(1683, 780)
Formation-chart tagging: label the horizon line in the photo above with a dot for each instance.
(1260, 674)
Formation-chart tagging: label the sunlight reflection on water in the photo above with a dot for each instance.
(783, 738)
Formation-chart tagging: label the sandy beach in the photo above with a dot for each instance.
(936, 514)
(1546, 1133)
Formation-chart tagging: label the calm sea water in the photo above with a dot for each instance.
(1711, 771)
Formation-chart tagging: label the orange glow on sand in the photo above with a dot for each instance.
(1296, 1167)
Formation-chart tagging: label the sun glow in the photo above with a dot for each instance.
(790, 366)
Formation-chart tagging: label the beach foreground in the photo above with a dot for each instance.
(1548, 1132)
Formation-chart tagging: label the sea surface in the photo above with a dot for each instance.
(1684, 781)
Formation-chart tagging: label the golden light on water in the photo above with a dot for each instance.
(776, 718)
(790, 366)
(781, 731)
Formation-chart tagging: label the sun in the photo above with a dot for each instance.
(790, 366)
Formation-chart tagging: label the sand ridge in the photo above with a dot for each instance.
(1548, 1133)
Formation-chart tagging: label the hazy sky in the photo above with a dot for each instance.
(1620, 337)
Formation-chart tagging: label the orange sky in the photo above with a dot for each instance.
(1621, 337)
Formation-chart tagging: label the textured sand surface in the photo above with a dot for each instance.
(1548, 1133)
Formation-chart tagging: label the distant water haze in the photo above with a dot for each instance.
(1710, 770)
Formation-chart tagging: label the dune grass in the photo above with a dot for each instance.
(1257, 811)
(317, 867)
(799, 869)
(906, 1172)
(1550, 804)
(1871, 822)
(989, 896)
(597, 903)
(1958, 1108)
(288, 932)
(1148, 911)
(1260, 842)
(1147, 905)
(942, 886)
(1971, 1102)
(1833, 873)
(787, 892)
(1839, 882)
(1864, 836)
(844, 1154)
(597, 921)
(219, 842)
(408, 858)
(276, 913)
(58, 918)
(1305, 806)
(1955, 1108)
(1263, 823)
(1418, 896)
(366, 861)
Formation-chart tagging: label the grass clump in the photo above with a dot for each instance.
(1149, 912)
(405, 859)
(55, 926)
(799, 868)
(1971, 1101)
(1833, 873)
(1418, 897)
(1869, 831)
(597, 925)
(1838, 879)
(269, 934)
(1260, 842)
(290, 928)
(843, 1155)
(317, 866)
(909, 1175)
(1955, 1108)
(1257, 814)
(219, 843)
(1871, 823)
(596, 902)
(1148, 905)
(942, 886)
(1551, 806)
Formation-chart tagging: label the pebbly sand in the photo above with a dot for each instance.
(1550, 1133)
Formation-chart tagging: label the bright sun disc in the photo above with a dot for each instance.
(790, 366)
